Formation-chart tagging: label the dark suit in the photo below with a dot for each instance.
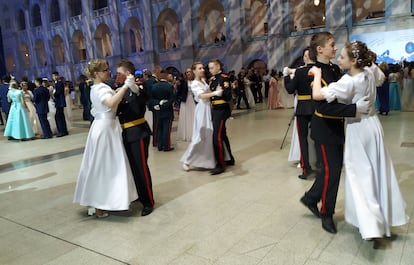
(60, 104)
(5, 104)
(41, 97)
(182, 91)
(165, 115)
(148, 87)
(241, 92)
(136, 137)
(328, 133)
(220, 113)
(85, 91)
(301, 84)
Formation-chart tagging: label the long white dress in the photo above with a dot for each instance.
(373, 201)
(105, 179)
(407, 94)
(52, 112)
(200, 152)
(186, 117)
(294, 151)
(34, 119)
(249, 94)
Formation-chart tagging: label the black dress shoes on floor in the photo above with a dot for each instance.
(328, 225)
(147, 210)
(168, 150)
(309, 172)
(230, 162)
(311, 206)
(216, 171)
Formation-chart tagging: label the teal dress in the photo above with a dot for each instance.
(18, 124)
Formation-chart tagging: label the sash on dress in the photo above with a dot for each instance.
(104, 115)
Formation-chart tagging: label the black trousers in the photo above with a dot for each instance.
(154, 129)
(325, 186)
(240, 96)
(164, 125)
(44, 123)
(60, 121)
(302, 126)
(137, 153)
(220, 139)
(259, 92)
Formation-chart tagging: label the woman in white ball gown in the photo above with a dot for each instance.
(105, 180)
(200, 152)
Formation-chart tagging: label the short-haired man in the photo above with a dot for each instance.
(136, 133)
(220, 86)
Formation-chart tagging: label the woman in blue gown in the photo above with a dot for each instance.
(18, 126)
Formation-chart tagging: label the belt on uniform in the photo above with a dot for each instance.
(327, 116)
(133, 123)
(304, 97)
(218, 102)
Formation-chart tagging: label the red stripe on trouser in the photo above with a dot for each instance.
(220, 145)
(302, 163)
(145, 170)
(325, 178)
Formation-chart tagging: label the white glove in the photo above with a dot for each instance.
(129, 81)
(285, 71)
(157, 107)
(218, 93)
(363, 105)
(163, 101)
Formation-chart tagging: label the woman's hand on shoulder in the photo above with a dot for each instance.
(315, 71)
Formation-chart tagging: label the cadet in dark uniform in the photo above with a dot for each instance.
(161, 100)
(60, 104)
(220, 86)
(136, 133)
(327, 130)
(241, 90)
(301, 84)
(152, 79)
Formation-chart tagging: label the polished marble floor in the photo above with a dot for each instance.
(250, 215)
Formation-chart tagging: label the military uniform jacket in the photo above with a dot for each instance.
(162, 91)
(59, 94)
(222, 80)
(301, 83)
(148, 88)
(330, 130)
(132, 107)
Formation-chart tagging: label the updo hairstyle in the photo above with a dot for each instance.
(359, 51)
(95, 65)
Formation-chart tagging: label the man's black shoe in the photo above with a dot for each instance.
(306, 175)
(170, 149)
(311, 206)
(147, 210)
(216, 171)
(328, 225)
(230, 162)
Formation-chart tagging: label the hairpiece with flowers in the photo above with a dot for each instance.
(355, 51)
